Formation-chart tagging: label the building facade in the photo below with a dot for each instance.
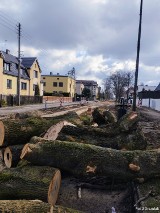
(92, 85)
(58, 84)
(9, 75)
(79, 87)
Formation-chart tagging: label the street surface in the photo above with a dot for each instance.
(26, 108)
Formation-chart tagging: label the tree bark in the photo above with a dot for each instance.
(12, 155)
(2, 132)
(84, 160)
(30, 182)
(28, 114)
(106, 138)
(31, 206)
(14, 132)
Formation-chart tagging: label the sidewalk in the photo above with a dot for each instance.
(26, 108)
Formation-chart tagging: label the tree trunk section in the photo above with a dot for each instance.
(2, 132)
(31, 206)
(12, 155)
(14, 132)
(84, 160)
(104, 138)
(53, 131)
(30, 182)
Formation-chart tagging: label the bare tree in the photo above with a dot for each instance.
(129, 81)
(108, 88)
(118, 83)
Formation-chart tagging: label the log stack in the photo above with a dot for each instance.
(85, 156)
(82, 160)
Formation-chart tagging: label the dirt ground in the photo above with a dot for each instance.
(150, 124)
(94, 200)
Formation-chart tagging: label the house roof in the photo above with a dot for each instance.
(13, 61)
(146, 87)
(28, 61)
(9, 58)
(87, 82)
(158, 87)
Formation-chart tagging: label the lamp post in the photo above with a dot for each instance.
(137, 59)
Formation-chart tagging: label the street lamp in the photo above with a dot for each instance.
(137, 59)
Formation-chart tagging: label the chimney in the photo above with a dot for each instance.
(7, 51)
(51, 73)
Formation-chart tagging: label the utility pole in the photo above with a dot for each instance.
(137, 59)
(19, 65)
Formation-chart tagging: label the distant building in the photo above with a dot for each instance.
(146, 88)
(158, 87)
(92, 85)
(58, 84)
(30, 75)
(79, 87)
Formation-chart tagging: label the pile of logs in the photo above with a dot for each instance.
(22, 180)
(46, 148)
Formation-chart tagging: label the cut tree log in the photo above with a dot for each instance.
(109, 138)
(27, 114)
(128, 122)
(84, 160)
(2, 132)
(30, 182)
(12, 155)
(53, 131)
(14, 132)
(32, 206)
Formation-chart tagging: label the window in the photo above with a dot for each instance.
(55, 84)
(6, 67)
(60, 84)
(57, 78)
(44, 78)
(35, 74)
(9, 84)
(54, 92)
(23, 86)
(44, 84)
(23, 72)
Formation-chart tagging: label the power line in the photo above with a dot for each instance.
(8, 27)
(6, 17)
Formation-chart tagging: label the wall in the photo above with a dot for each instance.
(154, 103)
(68, 84)
(79, 88)
(56, 99)
(13, 90)
(1, 75)
(25, 92)
(34, 80)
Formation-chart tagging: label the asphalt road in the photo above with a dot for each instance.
(4, 111)
(27, 108)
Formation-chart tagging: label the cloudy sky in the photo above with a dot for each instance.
(97, 37)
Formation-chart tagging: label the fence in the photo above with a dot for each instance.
(10, 100)
(57, 99)
(150, 99)
(149, 94)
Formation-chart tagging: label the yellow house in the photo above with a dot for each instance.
(30, 75)
(58, 84)
(34, 72)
